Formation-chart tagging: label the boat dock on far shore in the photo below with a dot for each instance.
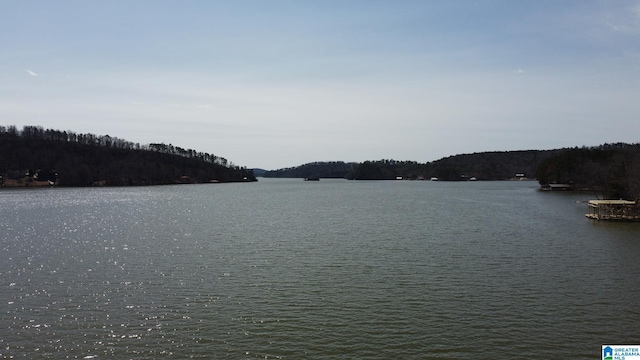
(613, 210)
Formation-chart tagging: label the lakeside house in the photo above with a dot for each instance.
(28, 178)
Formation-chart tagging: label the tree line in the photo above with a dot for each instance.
(482, 166)
(317, 169)
(88, 159)
(40, 133)
(610, 171)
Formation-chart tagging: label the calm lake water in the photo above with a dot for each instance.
(335, 269)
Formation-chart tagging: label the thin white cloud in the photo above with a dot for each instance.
(626, 21)
(612, 27)
(518, 71)
(32, 73)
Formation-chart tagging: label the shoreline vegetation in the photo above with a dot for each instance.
(35, 157)
(609, 171)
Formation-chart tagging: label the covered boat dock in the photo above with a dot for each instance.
(617, 210)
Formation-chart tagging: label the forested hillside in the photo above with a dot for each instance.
(327, 169)
(611, 170)
(69, 159)
(482, 166)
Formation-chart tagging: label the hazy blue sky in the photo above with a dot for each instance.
(280, 83)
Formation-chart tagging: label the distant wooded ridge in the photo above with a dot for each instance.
(36, 156)
(609, 170)
(481, 166)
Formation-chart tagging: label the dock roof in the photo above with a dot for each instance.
(611, 202)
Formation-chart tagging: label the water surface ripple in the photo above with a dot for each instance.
(336, 269)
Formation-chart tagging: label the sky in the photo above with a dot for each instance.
(280, 83)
